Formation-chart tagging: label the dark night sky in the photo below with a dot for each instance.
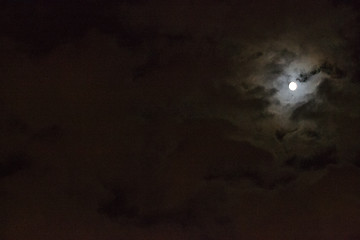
(173, 120)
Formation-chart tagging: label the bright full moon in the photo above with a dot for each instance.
(293, 86)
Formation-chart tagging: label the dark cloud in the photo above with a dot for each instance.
(357, 160)
(310, 110)
(311, 134)
(280, 134)
(258, 179)
(13, 163)
(40, 26)
(327, 68)
(119, 206)
(48, 134)
(13, 126)
(316, 162)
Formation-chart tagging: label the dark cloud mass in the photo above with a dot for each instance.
(173, 120)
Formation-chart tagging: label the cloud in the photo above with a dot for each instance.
(329, 69)
(119, 206)
(175, 121)
(48, 134)
(316, 162)
(309, 110)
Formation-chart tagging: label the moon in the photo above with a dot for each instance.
(292, 86)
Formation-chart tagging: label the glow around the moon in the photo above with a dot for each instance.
(293, 86)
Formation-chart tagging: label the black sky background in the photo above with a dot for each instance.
(173, 120)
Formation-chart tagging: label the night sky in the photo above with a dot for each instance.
(173, 120)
